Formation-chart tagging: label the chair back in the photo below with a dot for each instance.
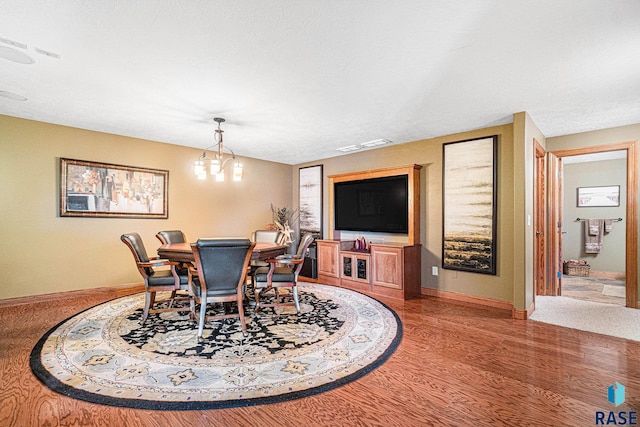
(222, 263)
(305, 242)
(135, 244)
(270, 236)
(171, 236)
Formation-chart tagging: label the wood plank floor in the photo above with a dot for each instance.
(458, 365)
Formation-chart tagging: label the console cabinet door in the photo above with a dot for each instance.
(355, 267)
(388, 266)
(328, 258)
(347, 266)
(361, 272)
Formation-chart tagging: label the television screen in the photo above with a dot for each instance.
(375, 205)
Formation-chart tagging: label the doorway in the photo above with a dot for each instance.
(594, 189)
(549, 226)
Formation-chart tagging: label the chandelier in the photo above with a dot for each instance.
(217, 163)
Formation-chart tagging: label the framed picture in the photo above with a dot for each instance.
(469, 199)
(91, 189)
(310, 200)
(599, 196)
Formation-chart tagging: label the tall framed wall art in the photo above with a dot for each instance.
(310, 200)
(469, 201)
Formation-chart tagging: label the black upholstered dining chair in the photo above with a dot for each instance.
(171, 236)
(156, 280)
(219, 276)
(174, 236)
(282, 272)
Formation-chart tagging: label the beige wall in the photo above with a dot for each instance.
(42, 252)
(45, 253)
(428, 153)
(525, 132)
(596, 137)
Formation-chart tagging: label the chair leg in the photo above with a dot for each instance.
(172, 299)
(256, 293)
(242, 320)
(295, 298)
(149, 298)
(192, 308)
(203, 313)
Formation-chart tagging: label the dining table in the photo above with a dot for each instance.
(181, 252)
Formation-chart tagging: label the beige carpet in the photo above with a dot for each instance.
(607, 319)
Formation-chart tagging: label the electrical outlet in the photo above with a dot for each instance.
(434, 271)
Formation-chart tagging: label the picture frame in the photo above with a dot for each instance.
(310, 200)
(469, 205)
(599, 196)
(105, 190)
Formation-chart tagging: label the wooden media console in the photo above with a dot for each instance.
(390, 270)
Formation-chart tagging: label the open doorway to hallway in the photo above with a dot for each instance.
(594, 194)
(552, 224)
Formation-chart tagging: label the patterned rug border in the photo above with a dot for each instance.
(57, 386)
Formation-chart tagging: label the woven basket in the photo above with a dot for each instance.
(571, 269)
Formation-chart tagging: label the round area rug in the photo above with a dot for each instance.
(103, 355)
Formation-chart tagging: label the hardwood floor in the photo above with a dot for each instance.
(458, 364)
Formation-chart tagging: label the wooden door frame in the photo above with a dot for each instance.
(540, 226)
(631, 227)
(554, 240)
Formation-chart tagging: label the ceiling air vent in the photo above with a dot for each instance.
(375, 143)
(47, 53)
(13, 43)
(370, 144)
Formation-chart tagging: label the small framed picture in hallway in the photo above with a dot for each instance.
(599, 196)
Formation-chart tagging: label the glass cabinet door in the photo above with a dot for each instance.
(346, 266)
(361, 268)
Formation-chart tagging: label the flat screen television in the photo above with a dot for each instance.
(374, 205)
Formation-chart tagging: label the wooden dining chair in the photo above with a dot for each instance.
(219, 276)
(156, 280)
(282, 272)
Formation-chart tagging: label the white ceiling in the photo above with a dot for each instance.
(297, 79)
